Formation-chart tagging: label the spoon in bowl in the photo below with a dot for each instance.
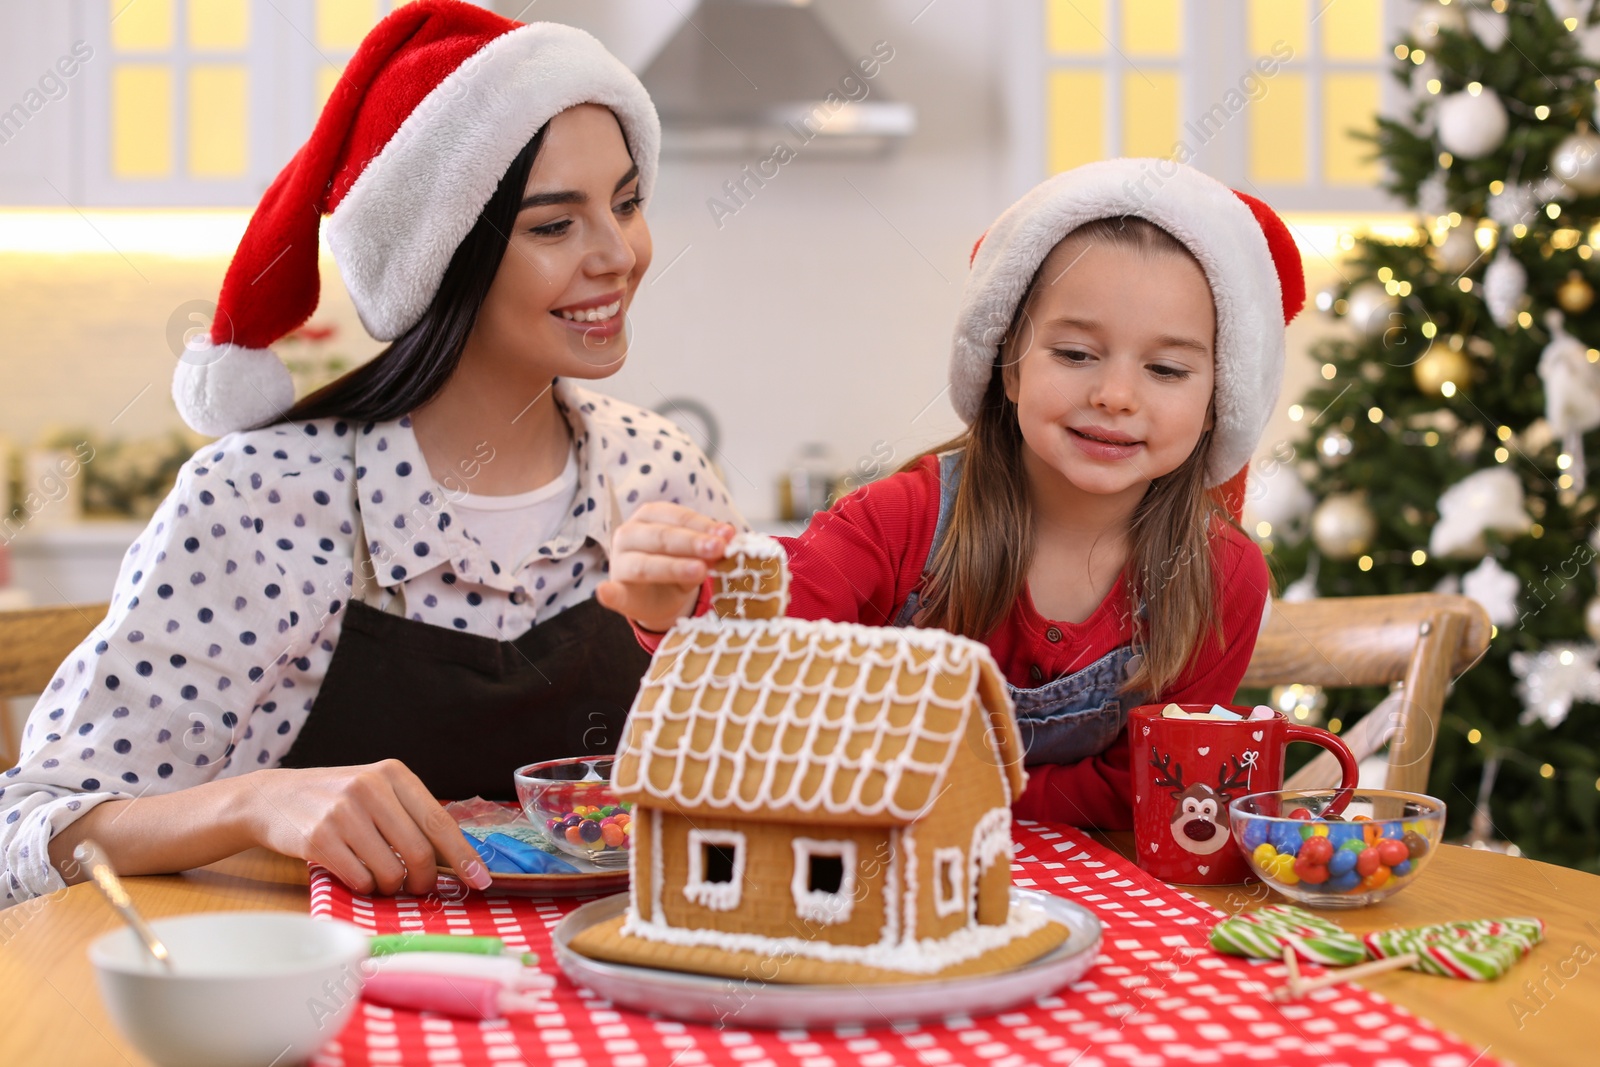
(105, 879)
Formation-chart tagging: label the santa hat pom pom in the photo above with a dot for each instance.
(223, 388)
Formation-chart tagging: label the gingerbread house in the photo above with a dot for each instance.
(818, 801)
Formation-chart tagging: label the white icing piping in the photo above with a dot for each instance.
(954, 651)
(718, 896)
(755, 545)
(908, 932)
(816, 905)
(891, 894)
(948, 878)
(991, 840)
(787, 641)
(914, 957)
(657, 878)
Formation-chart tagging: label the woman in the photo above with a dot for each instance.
(383, 594)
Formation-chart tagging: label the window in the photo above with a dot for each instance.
(824, 880)
(202, 102)
(716, 869)
(949, 881)
(1261, 94)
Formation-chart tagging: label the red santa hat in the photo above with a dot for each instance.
(1246, 251)
(421, 127)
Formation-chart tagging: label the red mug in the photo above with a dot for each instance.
(1185, 771)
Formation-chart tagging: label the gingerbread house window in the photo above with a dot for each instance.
(824, 882)
(949, 895)
(716, 868)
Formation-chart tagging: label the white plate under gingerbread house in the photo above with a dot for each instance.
(739, 1003)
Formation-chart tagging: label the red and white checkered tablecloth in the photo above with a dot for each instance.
(1157, 995)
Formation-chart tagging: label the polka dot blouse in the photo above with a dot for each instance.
(227, 610)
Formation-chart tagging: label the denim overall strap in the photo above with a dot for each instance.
(1077, 715)
(949, 479)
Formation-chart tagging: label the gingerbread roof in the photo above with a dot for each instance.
(791, 719)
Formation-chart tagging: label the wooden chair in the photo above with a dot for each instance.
(33, 644)
(1423, 641)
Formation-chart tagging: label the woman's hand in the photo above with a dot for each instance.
(659, 561)
(377, 828)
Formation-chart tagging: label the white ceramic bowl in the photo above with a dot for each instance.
(247, 988)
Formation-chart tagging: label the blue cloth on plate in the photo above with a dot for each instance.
(506, 855)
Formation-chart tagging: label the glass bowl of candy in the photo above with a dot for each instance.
(1296, 843)
(571, 801)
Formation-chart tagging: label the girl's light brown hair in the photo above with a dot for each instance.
(982, 564)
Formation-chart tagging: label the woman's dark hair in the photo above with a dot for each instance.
(415, 366)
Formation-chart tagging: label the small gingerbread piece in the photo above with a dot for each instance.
(751, 581)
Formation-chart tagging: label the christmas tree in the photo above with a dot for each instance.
(1449, 445)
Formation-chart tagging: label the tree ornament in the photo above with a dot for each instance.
(1459, 249)
(1433, 194)
(1575, 295)
(1369, 308)
(1551, 679)
(1343, 526)
(1334, 447)
(1490, 27)
(1571, 393)
(1280, 499)
(1490, 499)
(1439, 365)
(1472, 126)
(1576, 161)
(1591, 619)
(1305, 586)
(1495, 588)
(1514, 203)
(1505, 285)
(1431, 18)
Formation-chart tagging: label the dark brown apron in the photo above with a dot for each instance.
(463, 711)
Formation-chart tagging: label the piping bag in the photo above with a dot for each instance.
(507, 970)
(389, 944)
(448, 994)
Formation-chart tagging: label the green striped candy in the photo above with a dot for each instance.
(1263, 933)
(1477, 951)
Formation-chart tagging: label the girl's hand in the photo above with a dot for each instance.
(376, 827)
(659, 561)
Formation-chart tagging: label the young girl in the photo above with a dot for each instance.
(1118, 351)
(382, 595)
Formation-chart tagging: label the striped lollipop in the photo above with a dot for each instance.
(1477, 951)
(1263, 933)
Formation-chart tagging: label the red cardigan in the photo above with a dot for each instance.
(859, 561)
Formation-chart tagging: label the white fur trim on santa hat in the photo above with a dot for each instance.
(223, 388)
(1203, 214)
(395, 231)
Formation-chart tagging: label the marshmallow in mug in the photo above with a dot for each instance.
(1260, 711)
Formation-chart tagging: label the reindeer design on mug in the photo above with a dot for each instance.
(1200, 818)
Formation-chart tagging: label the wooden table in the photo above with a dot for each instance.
(1539, 1016)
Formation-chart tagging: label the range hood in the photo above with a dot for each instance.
(741, 76)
